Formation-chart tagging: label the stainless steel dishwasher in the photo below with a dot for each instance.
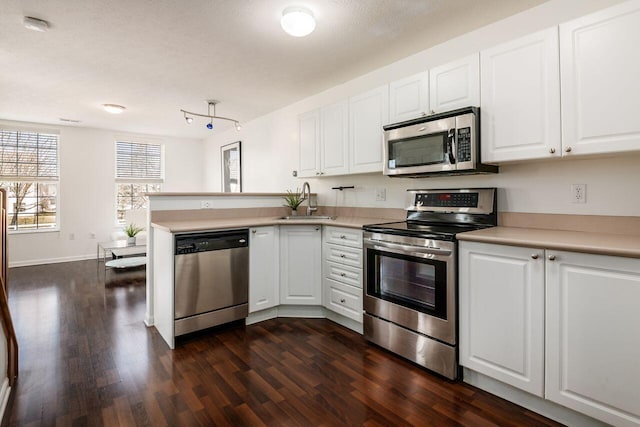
(211, 282)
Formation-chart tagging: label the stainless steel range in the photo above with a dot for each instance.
(410, 275)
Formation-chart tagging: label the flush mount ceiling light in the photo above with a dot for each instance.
(113, 108)
(211, 103)
(297, 21)
(35, 24)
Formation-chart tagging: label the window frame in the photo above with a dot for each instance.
(35, 179)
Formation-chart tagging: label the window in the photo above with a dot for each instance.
(138, 171)
(29, 173)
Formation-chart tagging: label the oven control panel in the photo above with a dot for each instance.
(442, 200)
(472, 200)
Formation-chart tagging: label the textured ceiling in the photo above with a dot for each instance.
(157, 56)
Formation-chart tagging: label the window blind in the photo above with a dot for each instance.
(28, 156)
(138, 162)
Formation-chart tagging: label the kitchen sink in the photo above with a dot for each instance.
(307, 217)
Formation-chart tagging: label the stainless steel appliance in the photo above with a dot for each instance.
(211, 283)
(445, 143)
(410, 275)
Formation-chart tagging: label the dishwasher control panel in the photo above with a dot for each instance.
(211, 241)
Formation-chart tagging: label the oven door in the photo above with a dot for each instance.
(420, 148)
(411, 282)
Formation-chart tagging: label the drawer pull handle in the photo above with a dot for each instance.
(343, 274)
(343, 256)
(342, 300)
(534, 256)
(343, 236)
(552, 257)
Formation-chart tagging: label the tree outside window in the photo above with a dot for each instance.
(29, 173)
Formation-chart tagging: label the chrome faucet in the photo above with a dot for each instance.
(310, 209)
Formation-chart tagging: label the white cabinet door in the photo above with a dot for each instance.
(600, 88)
(368, 112)
(309, 144)
(334, 134)
(455, 84)
(593, 335)
(264, 286)
(520, 105)
(300, 265)
(502, 313)
(409, 98)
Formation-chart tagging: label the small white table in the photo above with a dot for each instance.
(121, 247)
(124, 254)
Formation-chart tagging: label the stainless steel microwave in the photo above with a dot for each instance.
(446, 143)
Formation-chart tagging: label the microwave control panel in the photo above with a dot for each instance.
(464, 144)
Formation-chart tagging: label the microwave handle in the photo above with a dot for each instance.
(451, 145)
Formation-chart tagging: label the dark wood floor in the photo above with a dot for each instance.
(86, 358)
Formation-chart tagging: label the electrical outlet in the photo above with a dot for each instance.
(206, 204)
(381, 194)
(578, 193)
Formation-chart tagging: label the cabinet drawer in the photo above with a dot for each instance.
(343, 273)
(343, 236)
(343, 255)
(343, 299)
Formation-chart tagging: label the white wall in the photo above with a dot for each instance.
(87, 190)
(270, 150)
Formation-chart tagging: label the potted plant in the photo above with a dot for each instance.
(293, 200)
(131, 231)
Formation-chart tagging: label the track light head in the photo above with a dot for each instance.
(189, 116)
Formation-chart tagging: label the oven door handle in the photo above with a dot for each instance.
(420, 250)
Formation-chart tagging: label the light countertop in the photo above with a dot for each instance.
(217, 224)
(576, 241)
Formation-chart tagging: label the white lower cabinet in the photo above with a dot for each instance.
(502, 313)
(264, 286)
(581, 311)
(342, 272)
(300, 265)
(593, 335)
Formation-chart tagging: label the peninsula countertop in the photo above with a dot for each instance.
(185, 226)
(576, 241)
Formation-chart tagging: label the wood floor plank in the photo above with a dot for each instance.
(103, 367)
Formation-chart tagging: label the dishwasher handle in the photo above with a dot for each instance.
(211, 241)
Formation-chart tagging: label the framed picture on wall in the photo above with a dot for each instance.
(231, 158)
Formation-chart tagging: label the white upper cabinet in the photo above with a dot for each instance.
(409, 98)
(455, 84)
(593, 335)
(520, 105)
(600, 69)
(334, 134)
(368, 112)
(309, 143)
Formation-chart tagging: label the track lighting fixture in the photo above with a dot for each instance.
(210, 103)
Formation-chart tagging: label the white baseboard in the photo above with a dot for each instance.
(303, 311)
(536, 404)
(5, 392)
(50, 260)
